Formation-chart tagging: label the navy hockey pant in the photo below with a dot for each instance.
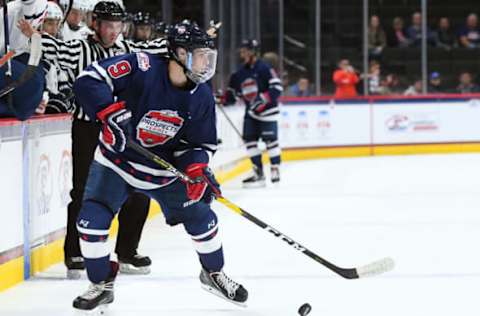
(105, 193)
(255, 130)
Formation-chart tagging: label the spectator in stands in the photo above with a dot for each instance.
(300, 89)
(469, 35)
(392, 85)
(345, 79)
(414, 89)
(414, 32)
(466, 84)
(397, 36)
(377, 39)
(435, 84)
(444, 36)
(375, 86)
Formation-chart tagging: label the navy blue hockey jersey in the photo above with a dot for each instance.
(177, 125)
(253, 83)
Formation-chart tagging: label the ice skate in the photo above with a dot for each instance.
(95, 300)
(221, 285)
(257, 180)
(275, 174)
(136, 264)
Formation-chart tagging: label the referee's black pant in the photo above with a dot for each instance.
(133, 214)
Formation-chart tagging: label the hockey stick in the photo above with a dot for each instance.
(229, 120)
(374, 268)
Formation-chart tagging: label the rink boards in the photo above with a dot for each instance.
(36, 160)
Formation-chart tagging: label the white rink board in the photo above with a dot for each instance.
(37, 164)
(360, 123)
(324, 125)
(11, 234)
(441, 122)
(50, 184)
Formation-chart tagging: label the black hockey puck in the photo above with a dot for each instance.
(305, 309)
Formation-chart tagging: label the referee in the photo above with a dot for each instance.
(72, 57)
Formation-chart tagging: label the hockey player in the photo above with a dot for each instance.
(165, 106)
(74, 26)
(258, 85)
(72, 57)
(33, 11)
(53, 18)
(143, 24)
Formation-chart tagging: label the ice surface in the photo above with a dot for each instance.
(423, 211)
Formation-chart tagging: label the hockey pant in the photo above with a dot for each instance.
(255, 130)
(106, 191)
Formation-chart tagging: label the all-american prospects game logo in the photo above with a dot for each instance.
(158, 127)
(249, 89)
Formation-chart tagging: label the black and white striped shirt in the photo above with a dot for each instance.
(72, 57)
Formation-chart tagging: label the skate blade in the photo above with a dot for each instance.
(215, 292)
(99, 311)
(258, 184)
(74, 274)
(131, 269)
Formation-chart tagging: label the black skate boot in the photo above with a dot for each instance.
(74, 265)
(136, 264)
(220, 284)
(98, 296)
(255, 181)
(275, 173)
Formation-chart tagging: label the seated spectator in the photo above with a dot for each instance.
(345, 79)
(391, 85)
(435, 83)
(300, 89)
(466, 84)
(376, 37)
(415, 89)
(397, 36)
(374, 81)
(444, 36)
(414, 32)
(469, 35)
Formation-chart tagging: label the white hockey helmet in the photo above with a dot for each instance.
(54, 11)
(82, 5)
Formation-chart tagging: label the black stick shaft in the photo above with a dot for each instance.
(346, 273)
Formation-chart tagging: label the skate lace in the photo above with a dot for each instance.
(226, 283)
(94, 290)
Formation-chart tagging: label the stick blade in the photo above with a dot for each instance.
(376, 268)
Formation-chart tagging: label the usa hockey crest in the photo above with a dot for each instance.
(158, 127)
(249, 89)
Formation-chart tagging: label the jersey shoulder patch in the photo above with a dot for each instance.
(143, 61)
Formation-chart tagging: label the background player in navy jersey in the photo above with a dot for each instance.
(258, 85)
(164, 105)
